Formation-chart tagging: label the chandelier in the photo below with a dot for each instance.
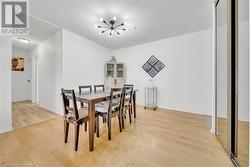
(111, 26)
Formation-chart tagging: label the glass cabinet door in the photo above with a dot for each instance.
(119, 70)
(110, 69)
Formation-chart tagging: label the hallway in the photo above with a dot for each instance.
(26, 113)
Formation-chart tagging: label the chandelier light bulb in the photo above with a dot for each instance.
(101, 19)
(125, 23)
(114, 18)
(23, 40)
(96, 26)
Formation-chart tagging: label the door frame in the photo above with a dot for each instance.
(35, 79)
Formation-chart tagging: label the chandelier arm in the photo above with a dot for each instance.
(119, 25)
(103, 27)
(120, 29)
(107, 24)
(106, 30)
(117, 32)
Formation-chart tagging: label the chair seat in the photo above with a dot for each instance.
(104, 109)
(70, 117)
(106, 103)
(102, 103)
(101, 109)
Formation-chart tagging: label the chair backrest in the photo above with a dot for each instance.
(99, 88)
(117, 102)
(128, 85)
(68, 95)
(85, 89)
(129, 91)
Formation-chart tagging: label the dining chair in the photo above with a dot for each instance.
(85, 89)
(112, 110)
(99, 88)
(73, 115)
(127, 105)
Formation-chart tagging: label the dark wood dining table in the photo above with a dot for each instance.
(91, 100)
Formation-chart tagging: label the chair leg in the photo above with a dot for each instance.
(86, 126)
(120, 122)
(104, 119)
(77, 127)
(129, 113)
(97, 126)
(122, 117)
(109, 128)
(66, 131)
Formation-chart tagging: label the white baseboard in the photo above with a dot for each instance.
(51, 110)
(6, 130)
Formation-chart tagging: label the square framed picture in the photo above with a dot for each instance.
(153, 66)
(17, 64)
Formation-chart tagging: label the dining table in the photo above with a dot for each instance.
(92, 99)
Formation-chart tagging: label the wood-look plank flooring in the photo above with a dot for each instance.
(156, 138)
(243, 139)
(26, 113)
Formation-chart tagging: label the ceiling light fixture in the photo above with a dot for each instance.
(23, 40)
(111, 26)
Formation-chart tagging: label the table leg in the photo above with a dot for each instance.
(91, 125)
(134, 104)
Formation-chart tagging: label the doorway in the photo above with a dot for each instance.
(26, 109)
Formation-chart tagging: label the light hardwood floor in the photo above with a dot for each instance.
(243, 142)
(156, 138)
(26, 113)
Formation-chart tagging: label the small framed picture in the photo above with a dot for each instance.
(17, 64)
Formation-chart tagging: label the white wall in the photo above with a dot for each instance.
(5, 84)
(49, 55)
(21, 88)
(185, 84)
(83, 61)
(67, 60)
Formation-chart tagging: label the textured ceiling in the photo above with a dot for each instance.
(147, 20)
